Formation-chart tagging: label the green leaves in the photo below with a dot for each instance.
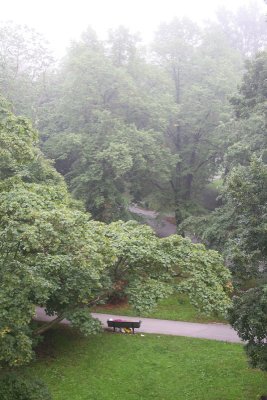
(243, 220)
(202, 75)
(24, 63)
(51, 256)
(17, 285)
(107, 160)
(147, 268)
(17, 140)
(201, 275)
(54, 256)
(145, 294)
(249, 318)
(82, 320)
(118, 157)
(239, 227)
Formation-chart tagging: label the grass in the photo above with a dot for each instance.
(175, 308)
(115, 366)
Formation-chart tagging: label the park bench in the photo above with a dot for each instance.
(123, 324)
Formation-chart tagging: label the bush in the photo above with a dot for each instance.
(13, 387)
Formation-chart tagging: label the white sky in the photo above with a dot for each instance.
(63, 20)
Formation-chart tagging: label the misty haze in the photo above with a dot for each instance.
(133, 200)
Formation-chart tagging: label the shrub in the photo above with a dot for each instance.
(14, 387)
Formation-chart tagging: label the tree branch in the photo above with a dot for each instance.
(44, 328)
(204, 162)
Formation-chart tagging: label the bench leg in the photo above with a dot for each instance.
(113, 328)
(133, 330)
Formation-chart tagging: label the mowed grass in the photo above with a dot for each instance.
(116, 366)
(175, 308)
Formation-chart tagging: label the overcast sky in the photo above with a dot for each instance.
(63, 20)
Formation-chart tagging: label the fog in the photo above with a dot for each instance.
(62, 21)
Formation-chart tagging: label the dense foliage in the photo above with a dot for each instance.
(239, 226)
(54, 256)
(127, 124)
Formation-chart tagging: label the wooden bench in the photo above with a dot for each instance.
(123, 324)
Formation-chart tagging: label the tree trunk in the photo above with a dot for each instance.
(46, 327)
(176, 78)
(188, 186)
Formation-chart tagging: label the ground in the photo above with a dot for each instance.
(144, 367)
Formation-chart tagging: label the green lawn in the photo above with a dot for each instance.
(176, 308)
(116, 366)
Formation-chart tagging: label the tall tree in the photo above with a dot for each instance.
(24, 62)
(245, 29)
(202, 80)
(122, 46)
(248, 255)
(105, 139)
(108, 161)
(238, 227)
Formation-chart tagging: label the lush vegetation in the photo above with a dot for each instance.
(53, 255)
(238, 227)
(145, 367)
(124, 123)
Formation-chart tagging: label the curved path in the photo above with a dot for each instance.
(213, 331)
(160, 225)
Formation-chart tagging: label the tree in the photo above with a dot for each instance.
(106, 141)
(174, 49)
(54, 256)
(143, 259)
(238, 227)
(248, 255)
(107, 161)
(175, 100)
(198, 69)
(24, 63)
(253, 92)
(122, 46)
(249, 318)
(19, 152)
(66, 263)
(243, 197)
(245, 29)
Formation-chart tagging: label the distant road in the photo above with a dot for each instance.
(161, 225)
(143, 212)
(221, 332)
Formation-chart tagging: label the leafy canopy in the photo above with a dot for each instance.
(54, 256)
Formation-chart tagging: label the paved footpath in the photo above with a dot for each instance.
(212, 331)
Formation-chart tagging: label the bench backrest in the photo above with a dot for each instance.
(124, 324)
